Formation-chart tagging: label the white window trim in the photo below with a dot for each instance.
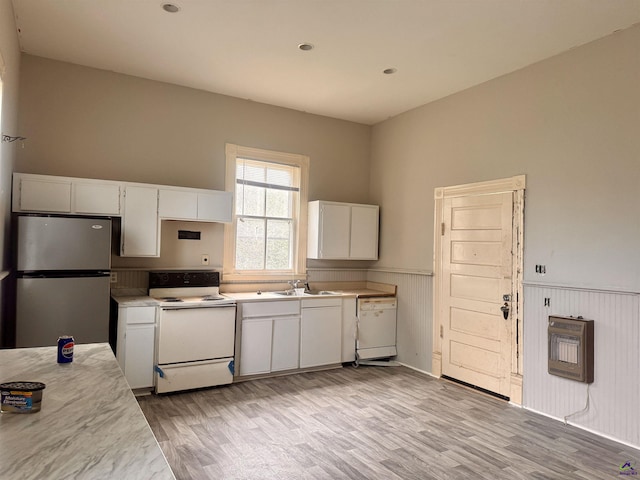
(300, 260)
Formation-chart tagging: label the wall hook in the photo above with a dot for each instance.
(9, 138)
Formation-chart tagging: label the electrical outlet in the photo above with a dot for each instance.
(541, 269)
(547, 301)
(205, 259)
(114, 277)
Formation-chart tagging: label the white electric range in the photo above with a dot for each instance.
(195, 339)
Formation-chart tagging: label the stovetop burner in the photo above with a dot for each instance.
(171, 299)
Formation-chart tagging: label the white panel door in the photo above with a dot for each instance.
(255, 348)
(177, 204)
(96, 198)
(335, 230)
(215, 206)
(476, 273)
(50, 195)
(139, 349)
(285, 353)
(140, 222)
(364, 232)
(320, 336)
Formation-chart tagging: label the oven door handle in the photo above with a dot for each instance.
(200, 306)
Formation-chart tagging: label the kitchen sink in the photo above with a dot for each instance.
(292, 293)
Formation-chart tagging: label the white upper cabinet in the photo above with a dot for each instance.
(140, 233)
(96, 198)
(178, 204)
(140, 205)
(195, 204)
(50, 194)
(342, 231)
(215, 206)
(36, 193)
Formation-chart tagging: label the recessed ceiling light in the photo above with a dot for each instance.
(170, 7)
(389, 71)
(305, 47)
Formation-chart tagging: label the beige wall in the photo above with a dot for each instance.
(92, 123)
(10, 80)
(570, 123)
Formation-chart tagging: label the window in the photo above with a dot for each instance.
(267, 238)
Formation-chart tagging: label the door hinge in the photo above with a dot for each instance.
(441, 331)
(442, 228)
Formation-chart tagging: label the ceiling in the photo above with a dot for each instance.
(249, 48)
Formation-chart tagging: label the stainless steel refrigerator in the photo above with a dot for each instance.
(63, 273)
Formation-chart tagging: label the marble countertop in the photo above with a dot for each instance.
(90, 425)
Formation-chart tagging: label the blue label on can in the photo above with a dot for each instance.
(65, 349)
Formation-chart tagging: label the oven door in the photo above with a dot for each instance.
(191, 334)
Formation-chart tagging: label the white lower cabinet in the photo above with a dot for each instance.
(285, 352)
(255, 356)
(270, 337)
(321, 332)
(349, 329)
(136, 343)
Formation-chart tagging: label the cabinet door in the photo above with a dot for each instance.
(139, 344)
(364, 233)
(96, 198)
(285, 352)
(40, 195)
(255, 349)
(334, 232)
(215, 206)
(349, 326)
(140, 222)
(178, 204)
(320, 336)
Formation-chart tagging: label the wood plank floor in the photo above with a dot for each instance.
(369, 423)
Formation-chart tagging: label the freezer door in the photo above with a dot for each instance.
(63, 243)
(50, 307)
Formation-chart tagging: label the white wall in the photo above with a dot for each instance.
(571, 124)
(10, 80)
(86, 122)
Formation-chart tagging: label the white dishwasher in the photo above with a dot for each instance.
(376, 336)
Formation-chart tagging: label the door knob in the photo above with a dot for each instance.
(505, 310)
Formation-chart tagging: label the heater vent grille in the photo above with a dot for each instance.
(571, 348)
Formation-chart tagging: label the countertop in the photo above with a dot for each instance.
(90, 425)
(135, 301)
(342, 289)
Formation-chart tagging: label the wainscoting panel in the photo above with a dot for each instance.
(613, 404)
(415, 297)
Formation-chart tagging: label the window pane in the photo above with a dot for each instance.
(247, 171)
(253, 201)
(279, 176)
(279, 235)
(278, 203)
(250, 241)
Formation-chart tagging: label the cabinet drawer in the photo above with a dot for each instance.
(322, 302)
(271, 309)
(194, 375)
(140, 315)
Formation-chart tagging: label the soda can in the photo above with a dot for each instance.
(65, 349)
